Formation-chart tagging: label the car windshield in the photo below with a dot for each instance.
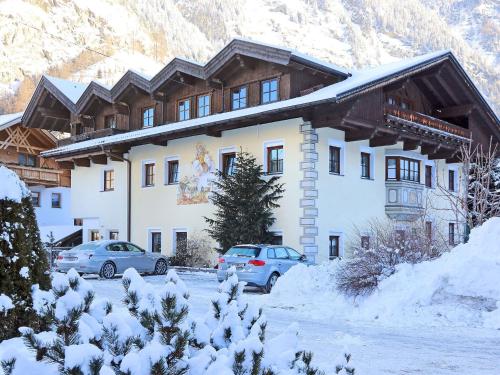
(241, 251)
(86, 246)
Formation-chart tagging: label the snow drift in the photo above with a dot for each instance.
(11, 187)
(461, 287)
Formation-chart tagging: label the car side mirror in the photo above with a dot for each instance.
(303, 258)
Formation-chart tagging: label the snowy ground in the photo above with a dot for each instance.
(376, 349)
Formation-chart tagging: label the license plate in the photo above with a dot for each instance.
(240, 266)
(71, 259)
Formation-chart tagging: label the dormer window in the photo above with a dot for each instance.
(239, 97)
(269, 91)
(184, 109)
(148, 117)
(203, 105)
(110, 122)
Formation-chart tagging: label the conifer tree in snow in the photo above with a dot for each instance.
(245, 202)
(23, 261)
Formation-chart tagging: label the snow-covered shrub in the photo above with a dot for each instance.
(196, 251)
(388, 246)
(22, 259)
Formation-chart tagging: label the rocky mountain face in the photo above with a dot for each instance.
(100, 39)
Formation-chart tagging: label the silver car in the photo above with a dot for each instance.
(259, 265)
(110, 257)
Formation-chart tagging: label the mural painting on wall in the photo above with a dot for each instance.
(195, 187)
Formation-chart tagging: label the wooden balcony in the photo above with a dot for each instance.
(42, 176)
(425, 123)
(88, 135)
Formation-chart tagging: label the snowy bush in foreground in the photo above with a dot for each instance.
(153, 334)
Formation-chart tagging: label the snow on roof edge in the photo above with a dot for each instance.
(9, 119)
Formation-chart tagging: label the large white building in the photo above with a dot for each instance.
(349, 146)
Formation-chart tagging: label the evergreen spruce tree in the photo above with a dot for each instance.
(23, 261)
(245, 202)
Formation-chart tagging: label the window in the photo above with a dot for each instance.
(275, 159)
(116, 247)
(239, 97)
(398, 168)
(203, 105)
(184, 109)
(335, 159)
(156, 242)
(35, 198)
(334, 247)
(173, 172)
(149, 174)
(365, 242)
(148, 117)
(400, 236)
(133, 248)
(281, 253)
(451, 234)
(428, 176)
(451, 180)
(27, 160)
(228, 163)
(109, 180)
(428, 229)
(365, 165)
(271, 253)
(78, 222)
(180, 241)
(113, 234)
(56, 200)
(294, 255)
(269, 91)
(110, 122)
(277, 239)
(94, 235)
(391, 100)
(404, 104)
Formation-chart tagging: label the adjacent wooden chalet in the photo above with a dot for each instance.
(20, 150)
(428, 102)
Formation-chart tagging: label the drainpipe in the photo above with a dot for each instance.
(129, 186)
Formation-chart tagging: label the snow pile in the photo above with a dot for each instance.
(11, 187)
(5, 303)
(460, 288)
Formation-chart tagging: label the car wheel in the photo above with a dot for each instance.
(160, 267)
(108, 270)
(270, 283)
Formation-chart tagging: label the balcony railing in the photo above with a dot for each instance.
(396, 113)
(88, 135)
(41, 176)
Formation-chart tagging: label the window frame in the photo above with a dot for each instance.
(38, 196)
(59, 200)
(330, 238)
(155, 233)
(111, 233)
(198, 97)
(269, 151)
(428, 177)
(428, 230)
(334, 150)
(111, 116)
(262, 93)
(144, 110)
(452, 175)
(145, 174)
(365, 242)
(399, 170)
(224, 160)
(111, 181)
(232, 91)
(184, 111)
(170, 177)
(367, 156)
(175, 232)
(24, 160)
(451, 234)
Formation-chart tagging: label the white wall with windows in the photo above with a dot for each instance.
(48, 212)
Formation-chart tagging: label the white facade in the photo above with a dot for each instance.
(315, 206)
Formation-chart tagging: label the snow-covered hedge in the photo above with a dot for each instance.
(459, 288)
(153, 333)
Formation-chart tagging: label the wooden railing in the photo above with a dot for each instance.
(41, 176)
(88, 135)
(426, 120)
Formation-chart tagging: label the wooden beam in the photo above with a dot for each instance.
(99, 159)
(428, 149)
(384, 140)
(359, 135)
(443, 154)
(160, 141)
(454, 111)
(53, 113)
(82, 162)
(453, 159)
(66, 165)
(409, 144)
(213, 132)
(121, 108)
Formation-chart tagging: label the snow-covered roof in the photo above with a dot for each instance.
(10, 119)
(359, 80)
(72, 90)
(58, 231)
